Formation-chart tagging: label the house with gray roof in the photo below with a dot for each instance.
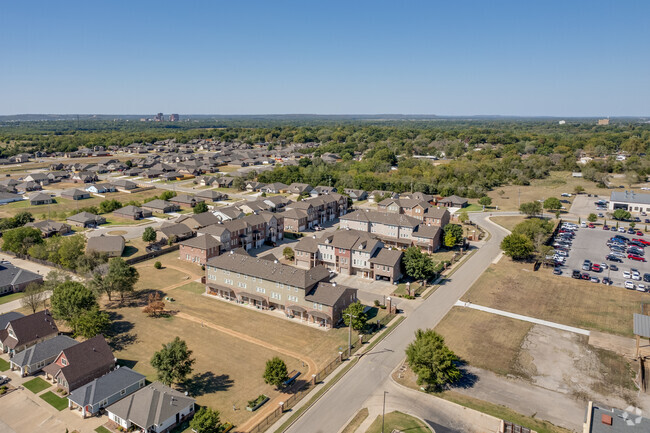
(113, 246)
(132, 212)
(14, 279)
(34, 358)
(86, 219)
(8, 197)
(49, 227)
(75, 194)
(112, 387)
(8, 317)
(26, 331)
(155, 408)
(40, 199)
(176, 231)
(160, 206)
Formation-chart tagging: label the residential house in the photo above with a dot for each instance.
(7, 197)
(175, 231)
(49, 227)
(8, 317)
(453, 201)
(199, 249)
(105, 390)
(86, 219)
(322, 190)
(40, 178)
(206, 180)
(85, 177)
(40, 199)
(160, 206)
(211, 195)
(79, 364)
(75, 194)
(228, 213)
(356, 194)
(416, 208)
(377, 195)
(14, 279)
(34, 358)
(101, 188)
(295, 220)
(225, 182)
(132, 212)
(112, 246)
(186, 200)
(323, 208)
(124, 185)
(300, 188)
(275, 188)
(24, 332)
(253, 186)
(156, 408)
(24, 187)
(265, 283)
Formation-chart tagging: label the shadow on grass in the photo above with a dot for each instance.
(129, 250)
(207, 383)
(120, 335)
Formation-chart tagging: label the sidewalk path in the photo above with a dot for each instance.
(520, 317)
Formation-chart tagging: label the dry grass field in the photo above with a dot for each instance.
(508, 222)
(515, 287)
(482, 339)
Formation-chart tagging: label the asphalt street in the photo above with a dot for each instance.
(371, 375)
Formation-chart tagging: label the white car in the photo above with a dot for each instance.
(565, 194)
(583, 225)
(621, 230)
(629, 285)
(626, 274)
(641, 288)
(636, 277)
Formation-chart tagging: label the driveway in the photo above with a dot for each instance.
(132, 232)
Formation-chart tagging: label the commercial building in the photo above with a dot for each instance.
(630, 201)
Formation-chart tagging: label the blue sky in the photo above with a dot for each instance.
(528, 58)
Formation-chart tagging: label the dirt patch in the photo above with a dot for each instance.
(117, 232)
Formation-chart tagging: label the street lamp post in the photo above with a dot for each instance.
(383, 412)
(350, 333)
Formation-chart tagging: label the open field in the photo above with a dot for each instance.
(151, 278)
(508, 222)
(398, 421)
(515, 287)
(482, 339)
(555, 184)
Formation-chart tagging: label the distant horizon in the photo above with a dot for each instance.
(290, 114)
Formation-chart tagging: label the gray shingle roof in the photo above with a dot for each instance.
(8, 317)
(387, 257)
(326, 293)
(629, 197)
(202, 242)
(30, 328)
(381, 217)
(11, 275)
(43, 350)
(105, 386)
(642, 325)
(622, 421)
(106, 244)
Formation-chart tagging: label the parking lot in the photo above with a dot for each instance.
(591, 244)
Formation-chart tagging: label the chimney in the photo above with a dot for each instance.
(606, 419)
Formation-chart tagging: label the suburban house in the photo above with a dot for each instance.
(211, 195)
(263, 283)
(86, 219)
(186, 200)
(197, 221)
(132, 212)
(8, 317)
(416, 208)
(356, 194)
(295, 220)
(101, 188)
(85, 177)
(14, 279)
(253, 186)
(49, 227)
(199, 249)
(8, 197)
(40, 198)
(156, 408)
(28, 186)
(160, 206)
(228, 213)
(176, 231)
(225, 182)
(75, 194)
(453, 201)
(105, 390)
(377, 195)
(300, 188)
(113, 246)
(322, 190)
(40, 178)
(79, 364)
(21, 333)
(34, 358)
(124, 185)
(275, 188)
(322, 208)
(248, 232)
(350, 252)
(395, 229)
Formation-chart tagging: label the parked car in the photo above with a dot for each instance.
(596, 268)
(585, 276)
(592, 226)
(629, 285)
(607, 281)
(613, 268)
(557, 271)
(595, 280)
(613, 258)
(605, 228)
(646, 277)
(647, 221)
(4, 379)
(576, 274)
(642, 241)
(641, 287)
(621, 230)
(626, 274)
(639, 233)
(636, 277)
(635, 257)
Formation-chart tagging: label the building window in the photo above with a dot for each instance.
(276, 296)
(261, 290)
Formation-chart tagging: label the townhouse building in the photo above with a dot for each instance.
(416, 208)
(317, 210)
(306, 294)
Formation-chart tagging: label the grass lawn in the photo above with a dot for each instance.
(482, 339)
(151, 278)
(36, 385)
(58, 403)
(102, 429)
(399, 421)
(515, 287)
(227, 370)
(472, 208)
(416, 289)
(194, 287)
(10, 297)
(172, 259)
(508, 222)
(359, 418)
(4, 365)
(507, 198)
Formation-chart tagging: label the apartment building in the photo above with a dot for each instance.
(350, 252)
(267, 284)
(316, 210)
(416, 208)
(248, 232)
(395, 229)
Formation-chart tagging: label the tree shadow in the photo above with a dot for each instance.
(467, 378)
(207, 383)
(126, 363)
(119, 334)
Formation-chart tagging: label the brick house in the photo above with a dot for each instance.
(199, 249)
(26, 331)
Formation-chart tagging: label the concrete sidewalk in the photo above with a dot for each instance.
(524, 318)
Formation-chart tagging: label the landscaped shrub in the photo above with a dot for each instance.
(157, 265)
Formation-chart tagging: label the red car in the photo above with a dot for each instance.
(596, 268)
(591, 226)
(605, 228)
(639, 233)
(642, 241)
(635, 257)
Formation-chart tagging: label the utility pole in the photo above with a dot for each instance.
(350, 334)
(383, 412)
(519, 196)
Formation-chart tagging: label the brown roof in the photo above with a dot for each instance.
(203, 242)
(106, 244)
(387, 257)
(84, 359)
(30, 328)
(326, 293)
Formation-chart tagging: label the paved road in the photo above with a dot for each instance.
(371, 375)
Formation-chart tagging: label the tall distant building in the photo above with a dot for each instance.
(603, 121)
(159, 117)
(173, 118)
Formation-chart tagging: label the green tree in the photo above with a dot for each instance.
(34, 296)
(621, 215)
(632, 225)
(90, 323)
(121, 276)
(359, 319)
(70, 249)
(485, 201)
(592, 217)
(108, 206)
(200, 207)
(173, 362)
(517, 246)
(417, 265)
(432, 361)
(552, 203)
(578, 189)
(239, 183)
(19, 240)
(70, 299)
(453, 235)
(463, 216)
(206, 420)
(531, 208)
(533, 227)
(288, 253)
(166, 195)
(149, 235)
(275, 372)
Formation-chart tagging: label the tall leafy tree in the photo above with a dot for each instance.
(34, 297)
(121, 276)
(517, 246)
(531, 208)
(359, 317)
(275, 372)
(19, 240)
(70, 299)
(173, 362)
(431, 359)
(90, 323)
(200, 207)
(417, 265)
(206, 420)
(621, 215)
(552, 203)
(149, 234)
(485, 201)
(453, 234)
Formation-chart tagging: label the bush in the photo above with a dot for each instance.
(157, 265)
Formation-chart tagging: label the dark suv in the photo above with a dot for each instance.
(576, 274)
(646, 278)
